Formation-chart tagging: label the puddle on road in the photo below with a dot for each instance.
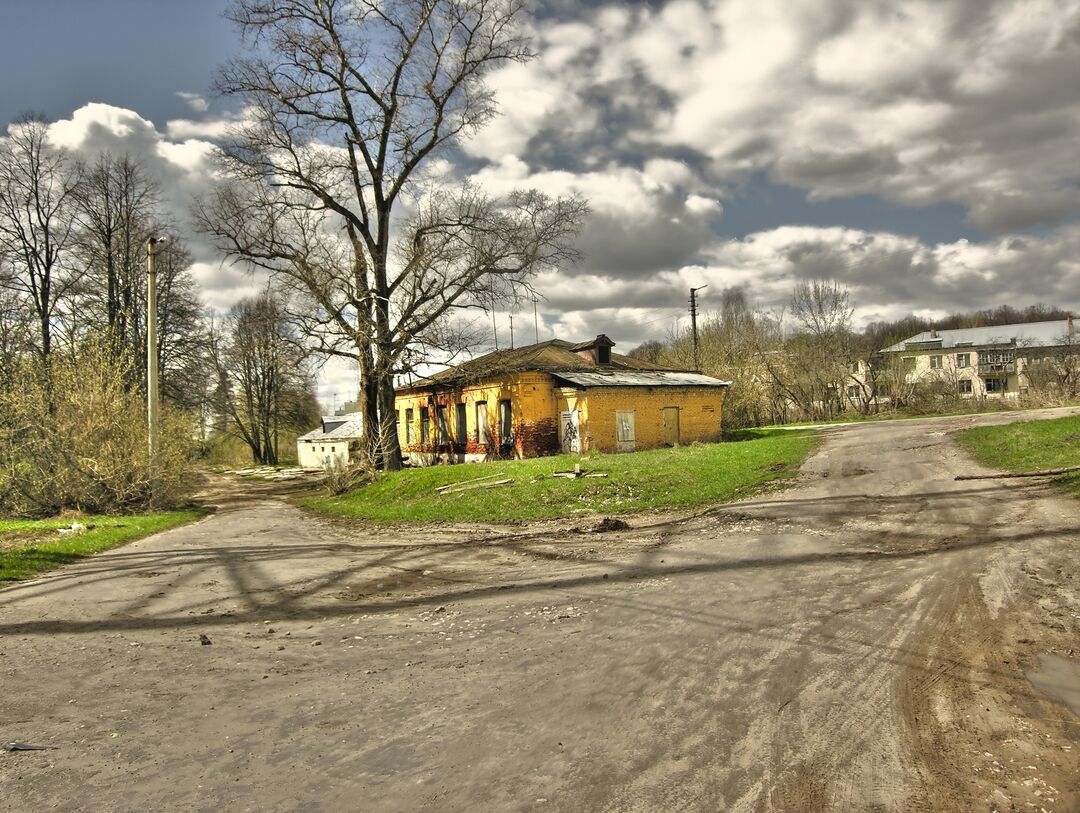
(1058, 678)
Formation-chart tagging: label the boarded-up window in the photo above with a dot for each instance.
(408, 426)
(425, 425)
(460, 429)
(443, 427)
(506, 426)
(624, 426)
(483, 433)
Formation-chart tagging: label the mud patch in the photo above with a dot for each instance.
(1059, 678)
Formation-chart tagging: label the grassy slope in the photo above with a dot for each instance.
(661, 478)
(1028, 446)
(30, 546)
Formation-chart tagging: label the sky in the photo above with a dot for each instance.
(924, 154)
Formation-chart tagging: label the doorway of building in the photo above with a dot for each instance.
(671, 426)
(570, 434)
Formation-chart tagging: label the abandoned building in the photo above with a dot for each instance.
(554, 396)
(1004, 361)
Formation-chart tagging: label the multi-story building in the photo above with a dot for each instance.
(1004, 361)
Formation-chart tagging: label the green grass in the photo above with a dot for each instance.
(686, 476)
(31, 546)
(1028, 446)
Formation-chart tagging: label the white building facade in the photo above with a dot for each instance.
(332, 441)
(1004, 361)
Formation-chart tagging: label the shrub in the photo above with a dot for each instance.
(340, 476)
(73, 436)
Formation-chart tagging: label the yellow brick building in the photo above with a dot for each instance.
(554, 396)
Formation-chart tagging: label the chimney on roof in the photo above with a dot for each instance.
(598, 351)
(1069, 326)
(933, 333)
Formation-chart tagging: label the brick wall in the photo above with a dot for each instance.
(699, 415)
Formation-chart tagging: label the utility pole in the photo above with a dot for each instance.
(536, 322)
(152, 401)
(511, 331)
(693, 323)
(494, 326)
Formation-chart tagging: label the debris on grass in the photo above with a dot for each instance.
(494, 484)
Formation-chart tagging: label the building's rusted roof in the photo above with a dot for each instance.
(637, 378)
(553, 356)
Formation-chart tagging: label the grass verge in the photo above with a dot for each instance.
(1028, 446)
(686, 476)
(32, 546)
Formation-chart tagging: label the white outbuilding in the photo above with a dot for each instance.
(332, 440)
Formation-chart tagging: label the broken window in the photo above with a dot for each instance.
(461, 430)
(506, 427)
(483, 432)
(441, 425)
(624, 427)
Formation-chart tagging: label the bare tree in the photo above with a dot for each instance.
(820, 354)
(117, 204)
(37, 182)
(348, 100)
(263, 375)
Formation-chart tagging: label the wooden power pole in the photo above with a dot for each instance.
(693, 323)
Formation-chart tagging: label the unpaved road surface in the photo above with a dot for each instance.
(856, 642)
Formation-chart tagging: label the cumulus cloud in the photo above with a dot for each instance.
(920, 102)
(888, 275)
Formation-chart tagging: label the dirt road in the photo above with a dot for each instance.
(855, 642)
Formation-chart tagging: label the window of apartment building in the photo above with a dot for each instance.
(935, 362)
(963, 359)
(408, 426)
(425, 425)
(461, 430)
(964, 386)
(483, 431)
(624, 426)
(996, 385)
(883, 390)
(853, 368)
(908, 362)
(506, 425)
(853, 392)
(441, 425)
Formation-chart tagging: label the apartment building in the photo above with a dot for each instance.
(1003, 361)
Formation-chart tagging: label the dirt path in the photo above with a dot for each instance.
(857, 642)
